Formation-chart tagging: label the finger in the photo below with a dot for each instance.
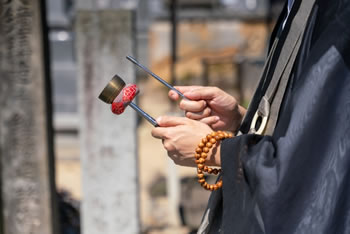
(168, 146)
(199, 115)
(171, 121)
(184, 89)
(159, 133)
(203, 93)
(193, 106)
(175, 96)
(210, 120)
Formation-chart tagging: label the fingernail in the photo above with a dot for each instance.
(216, 118)
(159, 119)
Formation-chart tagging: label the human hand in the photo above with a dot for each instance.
(210, 105)
(180, 138)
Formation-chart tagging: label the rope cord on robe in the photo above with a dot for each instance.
(265, 118)
(201, 155)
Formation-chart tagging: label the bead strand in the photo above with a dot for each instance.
(201, 154)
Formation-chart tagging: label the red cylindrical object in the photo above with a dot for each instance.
(124, 98)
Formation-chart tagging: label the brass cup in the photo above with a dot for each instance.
(112, 89)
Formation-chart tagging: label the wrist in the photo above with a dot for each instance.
(214, 158)
(208, 144)
(239, 113)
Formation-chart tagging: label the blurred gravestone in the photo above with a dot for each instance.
(108, 142)
(26, 147)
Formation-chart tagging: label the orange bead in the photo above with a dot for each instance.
(205, 168)
(230, 135)
(201, 155)
(219, 183)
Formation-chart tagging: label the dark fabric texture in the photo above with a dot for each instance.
(298, 179)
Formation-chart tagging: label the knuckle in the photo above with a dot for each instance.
(153, 133)
(182, 105)
(202, 104)
(167, 146)
(189, 114)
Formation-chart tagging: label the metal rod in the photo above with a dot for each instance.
(155, 76)
(144, 114)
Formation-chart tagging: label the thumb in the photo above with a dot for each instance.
(182, 89)
(171, 121)
(210, 120)
(202, 93)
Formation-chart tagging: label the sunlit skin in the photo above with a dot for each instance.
(209, 109)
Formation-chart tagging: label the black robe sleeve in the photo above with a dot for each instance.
(298, 180)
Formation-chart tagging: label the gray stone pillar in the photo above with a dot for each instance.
(108, 142)
(26, 152)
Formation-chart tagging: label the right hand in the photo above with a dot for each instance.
(210, 105)
(180, 136)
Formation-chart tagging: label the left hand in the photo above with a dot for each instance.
(180, 138)
(210, 105)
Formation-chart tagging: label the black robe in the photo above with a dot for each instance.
(298, 179)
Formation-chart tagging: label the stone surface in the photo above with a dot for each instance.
(25, 138)
(108, 142)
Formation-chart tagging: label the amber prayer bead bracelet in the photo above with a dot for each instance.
(201, 155)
